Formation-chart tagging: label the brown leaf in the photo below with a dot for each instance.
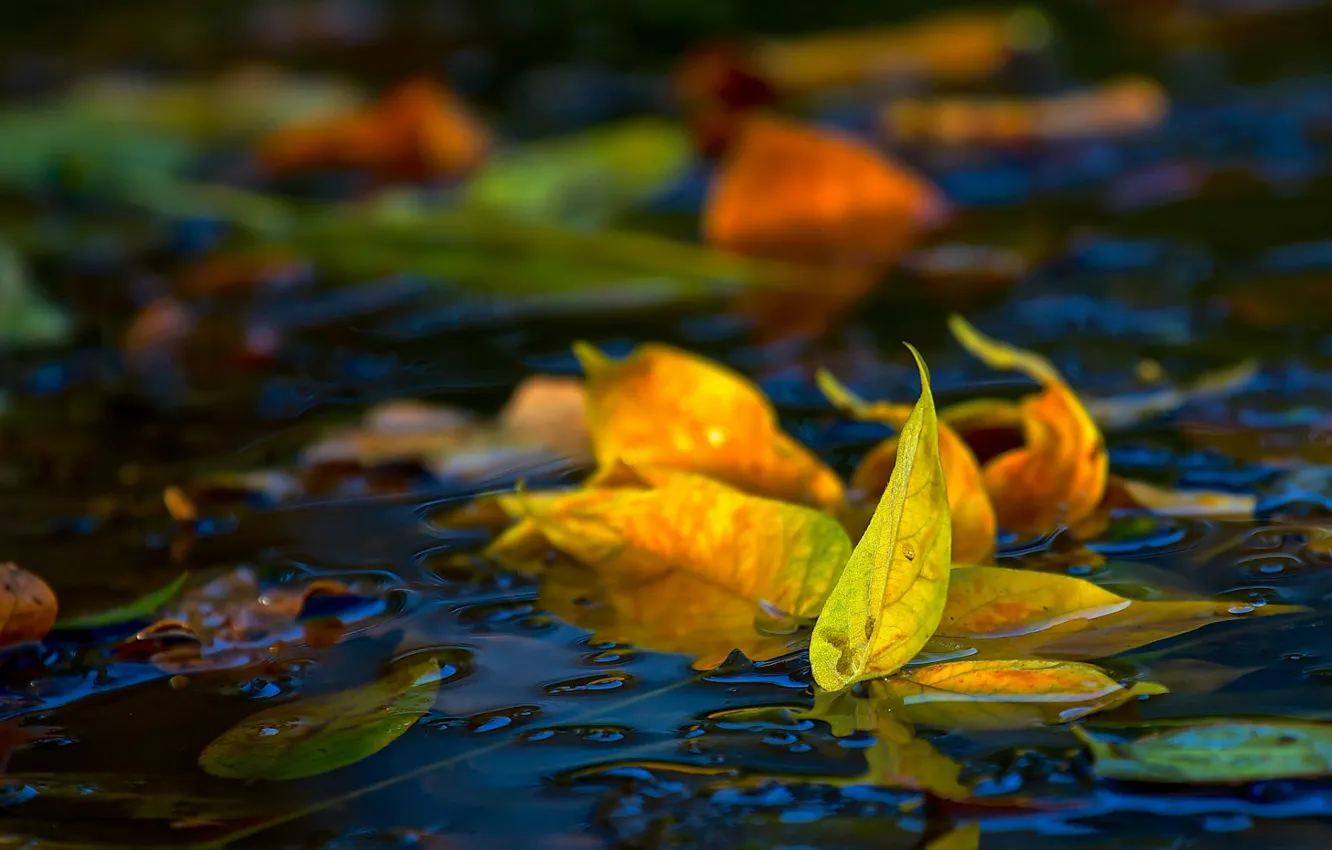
(27, 606)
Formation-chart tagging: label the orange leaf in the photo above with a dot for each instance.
(1003, 612)
(550, 411)
(968, 503)
(661, 406)
(799, 193)
(1058, 477)
(1005, 694)
(27, 606)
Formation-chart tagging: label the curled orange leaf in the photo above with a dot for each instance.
(661, 406)
(889, 598)
(968, 503)
(1005, 694)
(27, 606)
(767, 552)
(1058, 476)
(1003, 612)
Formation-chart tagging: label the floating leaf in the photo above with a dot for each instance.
(1226, 751)
(889, 598)
(673, 611)
(584, 179)
(661, 406)
(1124, 412)
(1005, 694)
(316, 735)
(138, 609)
(968, 503)
(767, 552)
(808, 195)
(1124, 106)
(1126, 493)
(1003, 612)
(27, 606)
(1058, 477)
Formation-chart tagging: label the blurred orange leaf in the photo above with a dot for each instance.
(551, 411)
(416, 131)
(1058, 476)
(767, 552)
(28, 606)
(968, 503)
(1006, 613)
(1005, 694)
(661, 406)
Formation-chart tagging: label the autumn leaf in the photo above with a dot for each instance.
(672, 611)
(1126, 411)
(1223, 751)
(899, 759)
(968, 503)
(889, 598)
(764, 551)
(1124, 493)
(1120, 107)
(27, 606)
(1005, 694)
(551, 411)
(140, 608)
(1058, 476)
(312, 736)
(806, 195)
(1004, 612)
(661, 406)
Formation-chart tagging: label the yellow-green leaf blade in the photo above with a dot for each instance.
(889, 598)
(1224, 751)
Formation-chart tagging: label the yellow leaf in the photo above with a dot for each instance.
(962, 838)
(1228, 751)
(765, 551)
(899, 759)
(1058, 477)
(671, 611)
(1126, 493)
(889, 598)
(1003, 612)
(968, 503)
(1005, 694)
(661, 406)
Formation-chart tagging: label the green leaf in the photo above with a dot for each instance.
(313, 736)
(138, 609)
(584, 179)
(1226, 751)
(27, 316)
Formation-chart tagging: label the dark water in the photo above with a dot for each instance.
(1198, 245)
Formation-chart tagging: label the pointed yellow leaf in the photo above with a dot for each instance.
(888, 600)
(661, 406)
(763, 550)
(968, 503)
(1058, 477)
(1005, 694)
(1003, 612)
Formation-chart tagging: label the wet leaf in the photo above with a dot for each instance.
(1126, 411)
(584, 179)
(1120, 107)
(138, 609)
(968, 504)
(1005, 694)
(1058, 476)
(27, 606)
(1225, 751)
(1125, 493)
(868, 210)
(889, 598)
(313, 736)
(27, 316)
(767, 552)
(661, 406)
(416, 131)
(673, 611)
(844, 711)
(1003, 612)
(899, 759)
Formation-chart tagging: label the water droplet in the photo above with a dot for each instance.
(1240, 609)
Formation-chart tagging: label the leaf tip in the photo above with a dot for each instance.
(922, 368)
(837, 393)
(591, 358)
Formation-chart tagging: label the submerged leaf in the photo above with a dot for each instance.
(1004, 612)
(1005, 694)
(27, 606)
(138, 609)
(661, 406)
(1058, 477)
(889, 598)
(761, 550)
(316, 735)
(1225, 751)
(968, 503)
(583, 179)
